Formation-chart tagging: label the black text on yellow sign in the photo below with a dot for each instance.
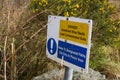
(74, 31)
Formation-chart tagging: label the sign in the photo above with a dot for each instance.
(74, 31)
(72, 53)
(68, 40)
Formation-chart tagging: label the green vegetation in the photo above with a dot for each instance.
(105, 51)
(23, 36)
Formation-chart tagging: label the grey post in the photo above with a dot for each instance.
(68, 73)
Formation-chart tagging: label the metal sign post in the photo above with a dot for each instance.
(68, 73)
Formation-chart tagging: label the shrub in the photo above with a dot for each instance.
(105, 28)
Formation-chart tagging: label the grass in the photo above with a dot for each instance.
(25, 44)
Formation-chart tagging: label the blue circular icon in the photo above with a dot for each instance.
(51, 46)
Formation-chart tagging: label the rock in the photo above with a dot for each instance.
(57, 74)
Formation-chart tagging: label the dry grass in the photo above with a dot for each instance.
(116, 3)
(23, 51)
(112, 66)
(10, 17)
(25, 46)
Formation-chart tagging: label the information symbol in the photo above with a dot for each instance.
(51, 46)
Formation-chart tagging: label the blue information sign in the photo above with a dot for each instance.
(51, 46)
(72, 53)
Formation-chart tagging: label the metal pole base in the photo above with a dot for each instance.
(68, 73)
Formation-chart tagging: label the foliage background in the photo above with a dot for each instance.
(105, 40)
(23, 29)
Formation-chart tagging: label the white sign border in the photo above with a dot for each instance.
(55, 20)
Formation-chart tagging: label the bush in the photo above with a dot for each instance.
(105, 27)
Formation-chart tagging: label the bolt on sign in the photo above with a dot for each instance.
(68, 41)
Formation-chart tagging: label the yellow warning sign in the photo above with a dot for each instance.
(74, 31)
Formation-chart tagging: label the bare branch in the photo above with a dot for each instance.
(44, 27)
(1, 76)
(22, 27)
(4, 58)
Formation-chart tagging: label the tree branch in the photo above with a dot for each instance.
(1, 76)
(4, 58)
(44, 27)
